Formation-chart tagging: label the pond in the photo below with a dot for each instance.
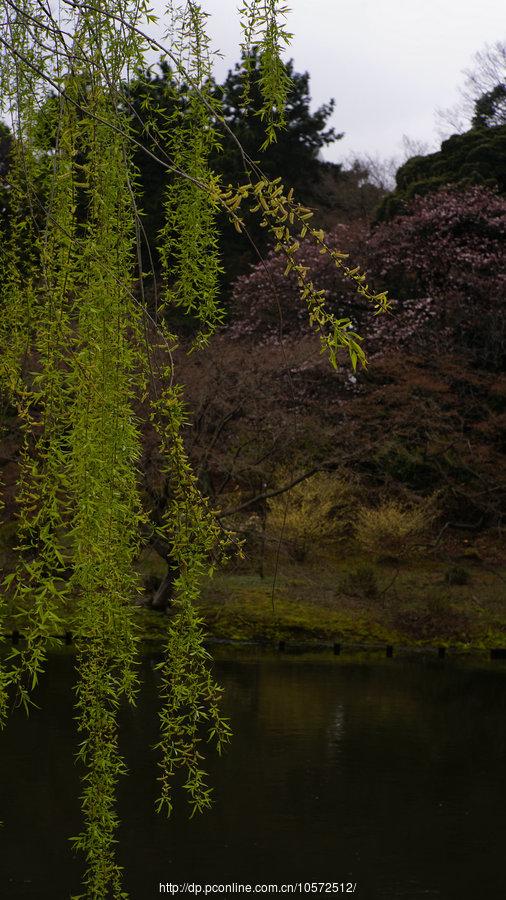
(385, 773)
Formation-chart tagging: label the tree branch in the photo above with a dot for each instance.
(267, 494)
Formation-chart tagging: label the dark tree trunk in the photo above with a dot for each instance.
(163, 595)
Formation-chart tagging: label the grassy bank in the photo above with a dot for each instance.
(456, 599)
(459, 602)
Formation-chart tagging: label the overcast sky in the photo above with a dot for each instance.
(387, 63)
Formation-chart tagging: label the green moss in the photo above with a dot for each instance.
(413, 605)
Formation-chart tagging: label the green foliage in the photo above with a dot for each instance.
(104, 449)
(476, 157)
(295, 153)
(188, 240)
(490, 108)
(392, 529)
(296, 148)
(264, 32)
(5, 153)
(190, 694)
(159, 99)
(81, 356)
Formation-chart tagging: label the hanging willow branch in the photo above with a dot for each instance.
(75, 361)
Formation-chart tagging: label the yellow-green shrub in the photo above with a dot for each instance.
(315, 510)
(394, 529)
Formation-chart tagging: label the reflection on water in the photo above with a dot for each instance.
(391, 774)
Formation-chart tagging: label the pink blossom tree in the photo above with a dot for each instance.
(442, 261)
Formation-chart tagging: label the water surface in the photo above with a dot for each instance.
(390, 774)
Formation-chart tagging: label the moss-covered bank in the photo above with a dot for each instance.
(459, 603)
(456, 599)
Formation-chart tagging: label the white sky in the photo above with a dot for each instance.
(387, 63)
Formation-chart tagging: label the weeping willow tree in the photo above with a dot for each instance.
(81, 353)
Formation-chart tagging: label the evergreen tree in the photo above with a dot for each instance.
(490, 108)
(295, 152)
(476, 157)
